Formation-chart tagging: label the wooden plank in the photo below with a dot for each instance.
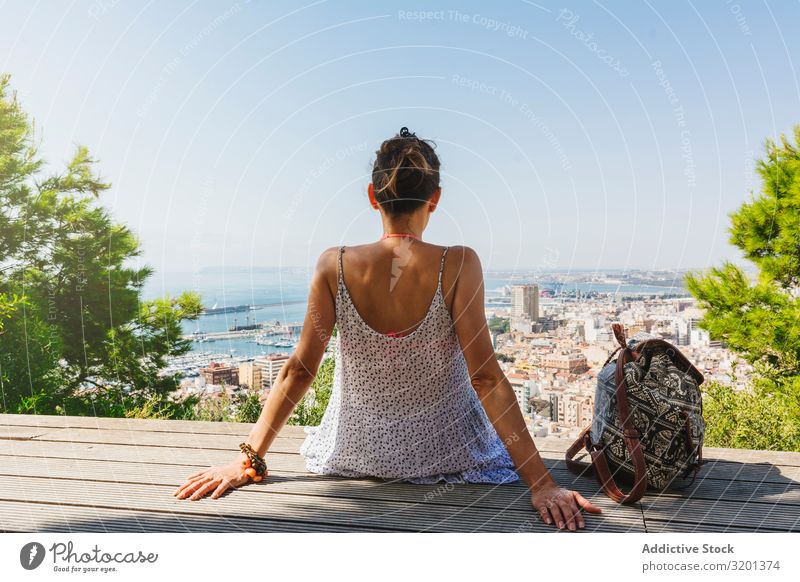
(753, 516)
(138, 453)
(722, 482)
(176, 440)
(735, 471)
(756, 472)
(59, 421)
(189, 459)
(259, 502)
(744, 491)
(226, 442)
(47, 517)
(159, 439)
(19, 432)
(107, 467)
(759, 473)
(658, 526)
(242, 430)
(783, 458)
(152, 425)
(184, 427)
(786, 458)
(508, 496)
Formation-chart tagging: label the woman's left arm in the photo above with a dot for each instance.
(291, 385)
(554, 504)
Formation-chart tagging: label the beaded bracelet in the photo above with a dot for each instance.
(255, 466)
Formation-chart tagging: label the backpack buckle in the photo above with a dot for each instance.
(589, 445)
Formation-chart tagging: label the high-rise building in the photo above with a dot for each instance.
(250, 375)
(525, 301)
(270, 368)
(555, 403)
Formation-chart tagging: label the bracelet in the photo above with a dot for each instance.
(255, 466)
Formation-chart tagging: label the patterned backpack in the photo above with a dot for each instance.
(648, 423)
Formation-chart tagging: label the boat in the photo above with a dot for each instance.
(226, 309)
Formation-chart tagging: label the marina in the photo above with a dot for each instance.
(215, 310)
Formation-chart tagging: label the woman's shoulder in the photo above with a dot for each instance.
(462, 268)
(462, 251)
(328, 259)
(327, 268)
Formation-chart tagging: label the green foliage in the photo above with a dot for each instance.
(759, 319)
(758, 418)
(76, 337)
(249, 407)
(756, 319)
(499, 325)
(503, 357)
(243, 406)
(7, 307)
(310, 411)
(215, 409)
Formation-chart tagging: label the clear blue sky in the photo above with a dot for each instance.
(572, 134)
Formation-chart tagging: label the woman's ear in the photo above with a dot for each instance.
(371, 196)
(434, 201)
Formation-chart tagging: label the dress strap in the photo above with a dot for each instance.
(339, 264)
(441, 267)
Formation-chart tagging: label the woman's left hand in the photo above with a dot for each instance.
(561, 507)
(214, 480)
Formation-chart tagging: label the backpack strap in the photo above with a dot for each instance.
(580, 443)
(630, 435)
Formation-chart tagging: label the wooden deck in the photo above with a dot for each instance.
(76, 474)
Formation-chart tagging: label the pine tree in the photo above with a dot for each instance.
(760, 318)
(76, 335)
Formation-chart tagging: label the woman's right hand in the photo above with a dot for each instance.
(214, 480)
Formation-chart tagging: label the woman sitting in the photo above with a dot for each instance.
(417, 394)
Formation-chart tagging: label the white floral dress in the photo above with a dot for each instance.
(403, 408)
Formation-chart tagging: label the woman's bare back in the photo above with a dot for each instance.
(392, 283)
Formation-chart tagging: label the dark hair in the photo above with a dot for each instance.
(406, 173)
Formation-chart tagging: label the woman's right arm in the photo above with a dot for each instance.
(292, 383)
(553, 503)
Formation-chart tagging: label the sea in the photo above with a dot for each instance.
(282, 294)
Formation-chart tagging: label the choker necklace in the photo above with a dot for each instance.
(399, 234)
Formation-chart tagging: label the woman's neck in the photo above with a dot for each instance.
(412, 224)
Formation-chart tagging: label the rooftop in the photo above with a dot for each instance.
(75, 474)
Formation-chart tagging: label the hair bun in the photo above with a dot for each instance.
(405, 173)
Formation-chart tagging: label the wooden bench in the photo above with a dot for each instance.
(81, 474)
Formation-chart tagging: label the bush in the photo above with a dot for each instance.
(762, 417)
(310, 411)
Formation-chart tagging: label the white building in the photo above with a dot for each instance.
(270, 368)
(523, 392)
